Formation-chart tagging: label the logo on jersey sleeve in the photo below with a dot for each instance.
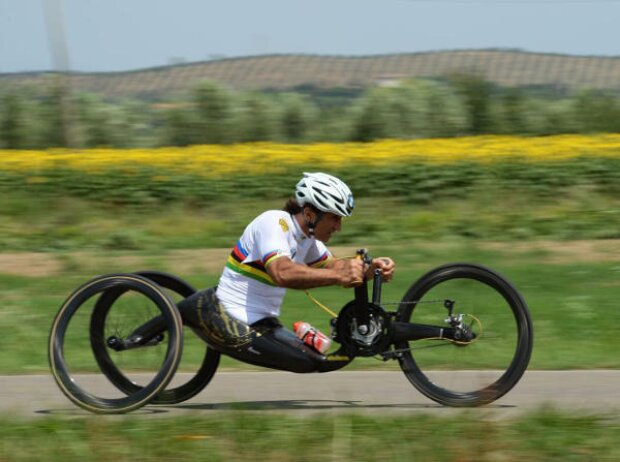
(283, 225)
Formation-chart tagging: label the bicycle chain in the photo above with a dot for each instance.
(415, 302)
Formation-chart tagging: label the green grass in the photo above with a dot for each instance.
(571, 302)
(544, 435)
(49, 223)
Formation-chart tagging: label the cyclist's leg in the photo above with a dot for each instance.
(289, 353)
(275, 347)
(265, 343)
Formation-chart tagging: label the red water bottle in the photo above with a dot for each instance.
(312, 337)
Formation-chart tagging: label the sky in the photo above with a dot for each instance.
(119, 35)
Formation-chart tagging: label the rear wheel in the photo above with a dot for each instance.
(70, 356)
(113, 364)
(496, 346)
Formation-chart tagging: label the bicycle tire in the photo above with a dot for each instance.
(56, 346)
(513, 348)
(101, 352)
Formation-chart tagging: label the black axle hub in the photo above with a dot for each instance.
(135, 341)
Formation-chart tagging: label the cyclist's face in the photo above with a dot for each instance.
(328, 226)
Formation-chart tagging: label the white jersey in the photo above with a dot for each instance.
(246, 290)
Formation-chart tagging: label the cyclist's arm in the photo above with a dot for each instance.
(287, 273)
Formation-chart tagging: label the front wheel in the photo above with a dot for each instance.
(495, 332)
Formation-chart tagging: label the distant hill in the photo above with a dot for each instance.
(289, 72)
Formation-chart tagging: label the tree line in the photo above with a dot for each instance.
(49, 117)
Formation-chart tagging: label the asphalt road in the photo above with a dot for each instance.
(343, 391)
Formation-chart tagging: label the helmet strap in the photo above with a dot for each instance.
(312, 224)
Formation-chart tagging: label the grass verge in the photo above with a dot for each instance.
(544, 435)
(51, 224)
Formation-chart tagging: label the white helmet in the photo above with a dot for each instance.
(326, 192)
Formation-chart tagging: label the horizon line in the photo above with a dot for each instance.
(313, 55)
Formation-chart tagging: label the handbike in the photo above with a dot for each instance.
(462, 335)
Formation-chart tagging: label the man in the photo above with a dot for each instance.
(281, 249)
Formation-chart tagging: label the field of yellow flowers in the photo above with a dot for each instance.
(421, 168)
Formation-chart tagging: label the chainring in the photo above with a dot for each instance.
(375, 341)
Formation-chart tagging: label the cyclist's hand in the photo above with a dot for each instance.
(385, 264)
(351, 272)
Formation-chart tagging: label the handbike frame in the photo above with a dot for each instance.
(362, 328)
(357, 340)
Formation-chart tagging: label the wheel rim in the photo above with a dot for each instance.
(106, 358)
(478, 371)
(69, 352)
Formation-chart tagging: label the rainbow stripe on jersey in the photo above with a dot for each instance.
(253, 269)
(321, 262)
